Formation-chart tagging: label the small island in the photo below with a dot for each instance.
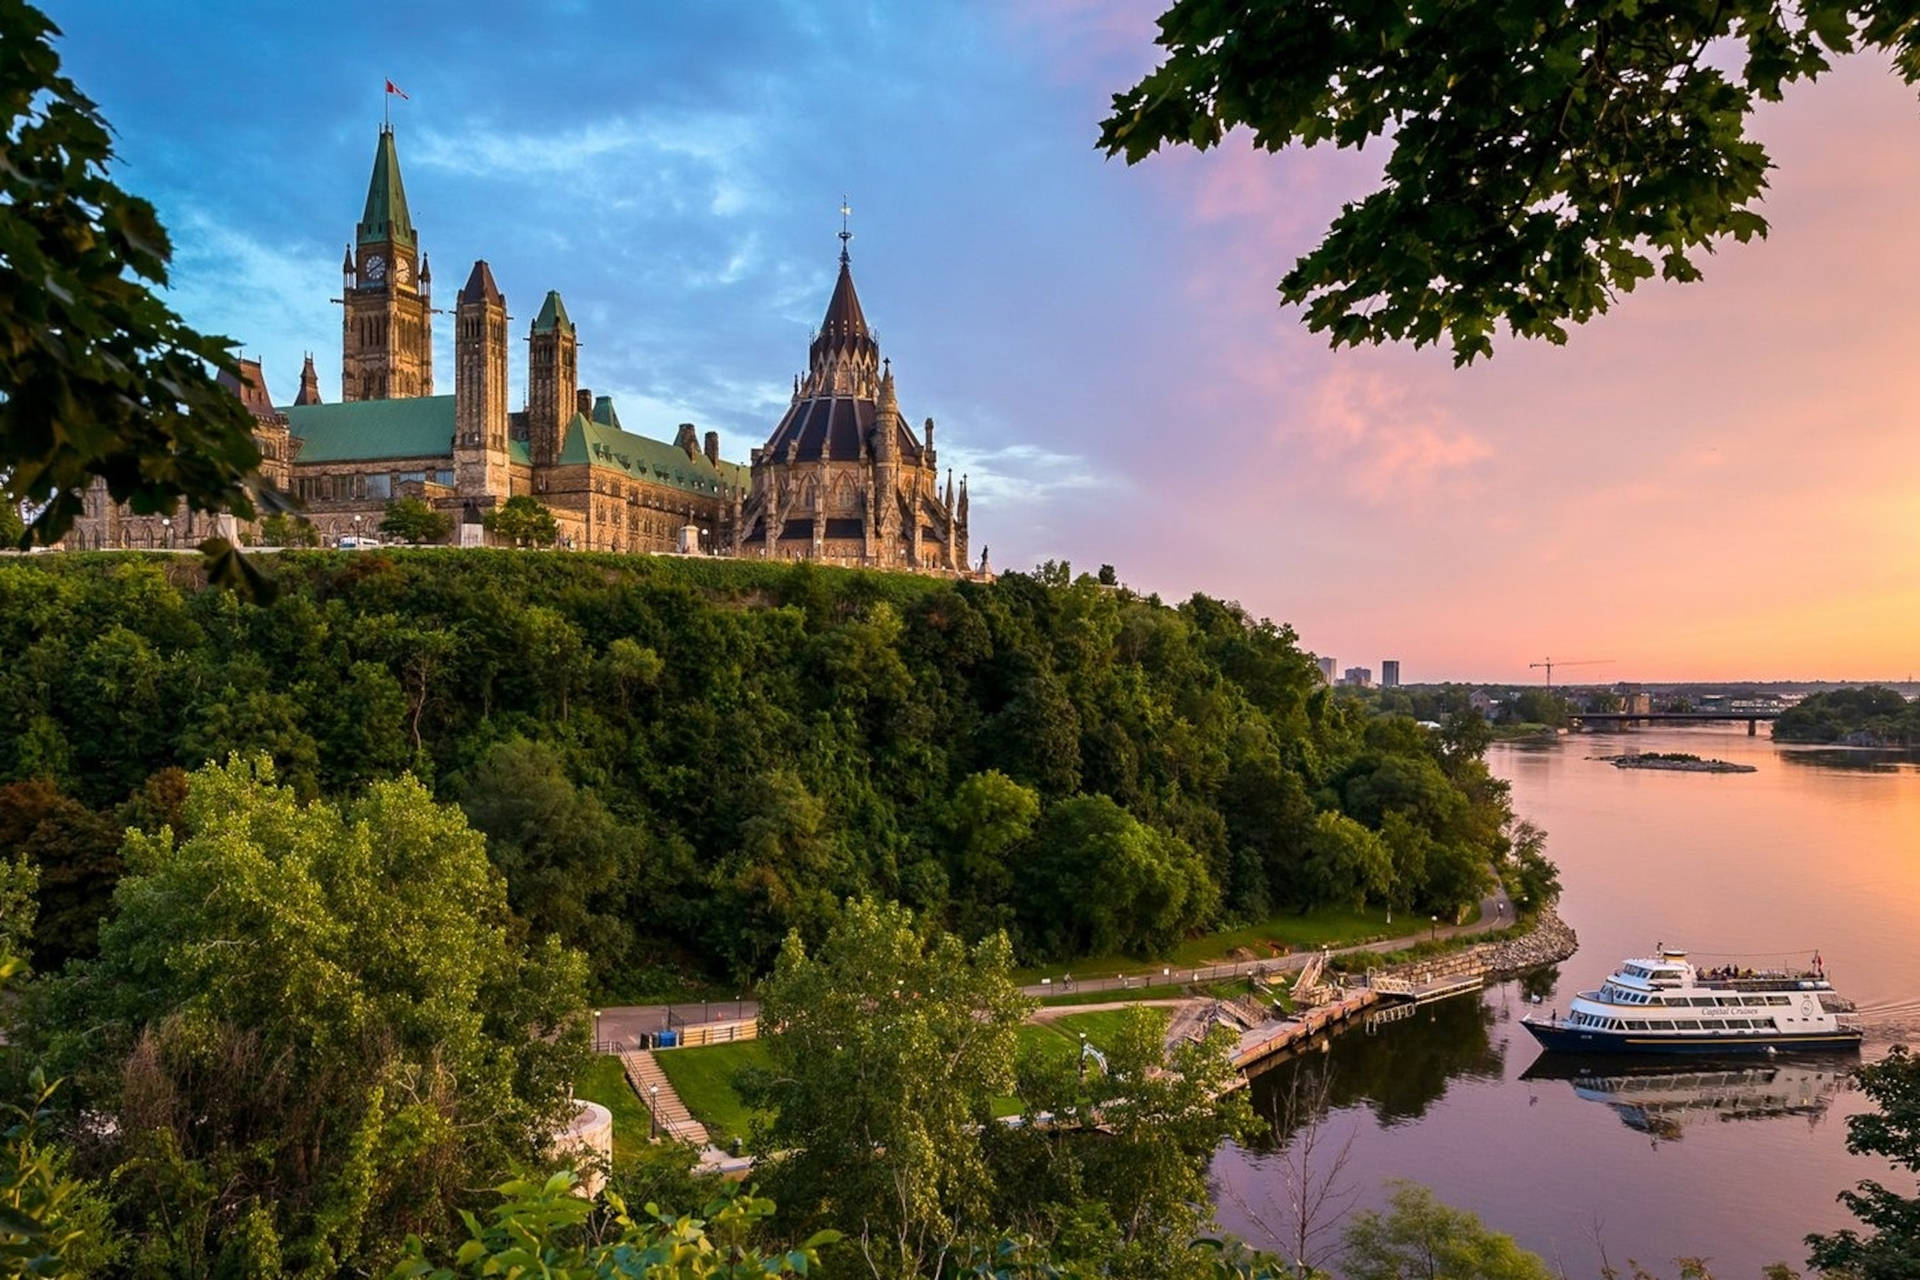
(1676, 760)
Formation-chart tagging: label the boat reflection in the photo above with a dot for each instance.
(1660, 1098)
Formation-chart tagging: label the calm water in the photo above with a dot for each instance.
(1816, 850)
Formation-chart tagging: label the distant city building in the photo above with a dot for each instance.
(1482, 702)
(1637, 703)
(1358, 677)
(1326, 669)
(1389, 673)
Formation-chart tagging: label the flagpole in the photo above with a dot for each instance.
(386, 107)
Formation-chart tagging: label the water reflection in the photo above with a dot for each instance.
(1852, 759)
(1395, 1076)
(1660, 1099)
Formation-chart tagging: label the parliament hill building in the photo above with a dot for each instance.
(843, 477)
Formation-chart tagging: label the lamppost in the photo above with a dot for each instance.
(166, 523)
(596, 1031)
(356, 531)
(653, 1106)
(1436, 925)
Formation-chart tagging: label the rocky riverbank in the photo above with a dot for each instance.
(1549, 941)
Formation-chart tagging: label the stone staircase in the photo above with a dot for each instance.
(655, 1090)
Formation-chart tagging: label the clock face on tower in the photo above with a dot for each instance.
(375, 268)
(401, 271)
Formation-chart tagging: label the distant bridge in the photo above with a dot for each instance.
(1621, 719)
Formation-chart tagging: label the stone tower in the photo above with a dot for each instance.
(552, 380)
(480, 388)
(386, 349)
(886, 473)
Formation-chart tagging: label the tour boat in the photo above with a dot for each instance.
(1668, 1005)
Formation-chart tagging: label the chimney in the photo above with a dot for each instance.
(583, 401)
(713, 447)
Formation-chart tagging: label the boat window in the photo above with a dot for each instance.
(1705, 1002)
(1636, 1026)
(1779, 1000)
(1686, 1024)
(1732, 1000)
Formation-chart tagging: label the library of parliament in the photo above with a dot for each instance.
(842, 478)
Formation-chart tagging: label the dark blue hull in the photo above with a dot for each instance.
(1586, 1040)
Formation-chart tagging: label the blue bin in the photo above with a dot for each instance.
(667, 1039)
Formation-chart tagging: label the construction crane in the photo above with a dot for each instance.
(1550, 664)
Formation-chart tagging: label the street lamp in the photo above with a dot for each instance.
(1436, 925)
(596, 1031)
(653, 1106)
(166, 523)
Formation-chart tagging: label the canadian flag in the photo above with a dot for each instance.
(394, 88)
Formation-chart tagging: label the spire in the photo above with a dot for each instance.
(426, 273)
(553, 315)
(309, 383)
(949, 489)
(845, 322)
(386, 215)
(480, 286)
(346, 267)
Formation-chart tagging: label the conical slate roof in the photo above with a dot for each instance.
(480, 285)
(386, 217)
(553, 315)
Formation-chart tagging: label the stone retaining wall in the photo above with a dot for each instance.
(1550, 941)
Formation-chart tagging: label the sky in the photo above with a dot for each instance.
(1715, 481)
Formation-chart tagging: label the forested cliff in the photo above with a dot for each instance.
(677, 760)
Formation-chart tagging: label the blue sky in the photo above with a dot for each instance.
(1101, 346)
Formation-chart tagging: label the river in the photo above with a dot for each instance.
(1818, 849)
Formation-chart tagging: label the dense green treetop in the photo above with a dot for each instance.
(1891, 1248)
(1542, 159)
(1874, 713)
(892, 1047)
(1418, 1236)
(524, 522)
(412, 520)
(726, 750)
(312, 1015)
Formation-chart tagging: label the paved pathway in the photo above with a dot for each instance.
(622, 1026)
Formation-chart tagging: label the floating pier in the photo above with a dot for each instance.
(1273, 1037)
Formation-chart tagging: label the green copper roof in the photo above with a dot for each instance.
(553, 315)
(386, 215)
(657, 461)
(361, 430)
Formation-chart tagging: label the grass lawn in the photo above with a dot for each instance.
(605, 1083)
(703, 1078)
(1325, 927)
(1101, 1027)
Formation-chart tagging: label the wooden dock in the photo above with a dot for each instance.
(1421, 990)
(1273, 1037)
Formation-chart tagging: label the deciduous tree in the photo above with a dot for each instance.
(1540, 163)
(1891, 1248)
(1419, 1236)
(523, 521)
(892, 1046)
(311, 1026)
(412, 520)
(98, 377)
